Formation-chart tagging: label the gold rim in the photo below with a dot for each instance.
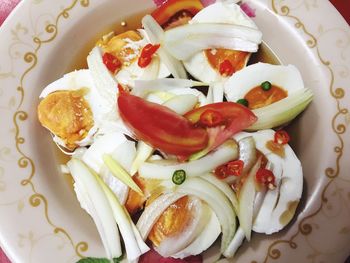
(25, 162)
(338, 127)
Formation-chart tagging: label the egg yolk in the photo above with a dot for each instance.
(258, 98)
(66, 114)
(216, 57)
(172, 222)
(122, 46)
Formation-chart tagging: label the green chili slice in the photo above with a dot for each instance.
(266, 85)
(244, 102)
(179, 176)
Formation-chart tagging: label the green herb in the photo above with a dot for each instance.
(244, 102)
(179, 176)
(99, 260)
(266, 85)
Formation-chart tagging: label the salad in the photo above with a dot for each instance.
(176, 142)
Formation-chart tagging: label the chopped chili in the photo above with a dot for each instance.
(211, 118)
(281, 137)
(243, 102)
(146, 55)
(112, 63)
(266, 85)
(226, 68)
(179, 176)
(266, 177)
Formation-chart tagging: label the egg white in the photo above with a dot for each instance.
(289, 182)
(226, 12)
(128, 74)
(99, 106)
(285, 77)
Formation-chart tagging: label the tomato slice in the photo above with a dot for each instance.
(235, 117)
(161, 127)
(174, 12)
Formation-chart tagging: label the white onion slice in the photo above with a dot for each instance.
(134, 246)
(155, 34)
(224, 153)
(142, 87)
(152, 70)
(223, 187)
(208, 236)
(246, 201)
(182, 103)
(240, 235)
(217, 202)
(143, 152)
(104, 81)
(152, 212)
(94, 201)
(283, 111)
(185, 41)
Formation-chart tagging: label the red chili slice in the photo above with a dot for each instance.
(265, 177)
(112, 63)
(235, 168)
(211, 118)
(281, 137)
(146, 55)
(226, 68)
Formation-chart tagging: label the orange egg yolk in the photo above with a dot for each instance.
(258, 98)
(67, 114)
(172, 222)
(217, 56)
(119, 47)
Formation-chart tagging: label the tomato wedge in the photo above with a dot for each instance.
(235, 118)
(173, 13)
(161, 127)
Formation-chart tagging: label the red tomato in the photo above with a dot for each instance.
(174, 12)
(152, 256)
(235, 116)
(161, 127)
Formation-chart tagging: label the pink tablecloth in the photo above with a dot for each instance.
(6, 7)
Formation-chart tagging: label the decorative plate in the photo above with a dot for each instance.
(41, 221)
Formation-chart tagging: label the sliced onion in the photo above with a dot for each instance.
(104, 81)
(152, 70)
(240, 234)
(152, 212)
(184, 41)
(182, 103)
(94, 201)
(218, 92)
(120, 189)
(143, 152)
(246, 201)
(247, 152)
(156, 34)
(208, 236)
(105, 144)
(217, 202)
(223, 187)
(134, 245)
(283, 111)
(226, 152)
(210, 95)
(200, 216)
(142, 87)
